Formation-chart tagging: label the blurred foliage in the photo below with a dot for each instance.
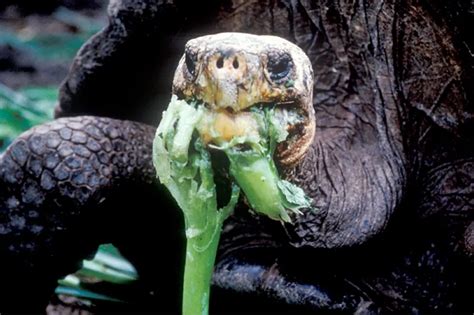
(58, 45)
(23, 109)
(99, 279)
(55, 47)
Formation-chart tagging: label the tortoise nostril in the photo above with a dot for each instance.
(220, 62)
(235, 64)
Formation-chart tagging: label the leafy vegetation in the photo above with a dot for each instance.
(60, 45)
(183, 164)
(107, 266)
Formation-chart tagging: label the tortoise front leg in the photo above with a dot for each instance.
(258, 271)
(264, 284)
(61, 185)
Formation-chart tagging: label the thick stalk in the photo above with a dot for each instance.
(200, 259)
(256, 175)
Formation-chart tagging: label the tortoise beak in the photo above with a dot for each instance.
(301, 131)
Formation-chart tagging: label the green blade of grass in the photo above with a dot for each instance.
(115, 262)
(102, 272)
(82, 293)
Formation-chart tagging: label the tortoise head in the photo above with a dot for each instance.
(231, 72)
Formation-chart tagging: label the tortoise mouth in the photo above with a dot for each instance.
(292, 117)
(300, 128)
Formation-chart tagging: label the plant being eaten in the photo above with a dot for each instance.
(252, 107)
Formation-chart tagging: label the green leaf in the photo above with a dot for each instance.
(294, 196)
(83, 293)
(117, 263)
(105, 272)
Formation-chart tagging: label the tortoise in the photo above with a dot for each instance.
(390, 168)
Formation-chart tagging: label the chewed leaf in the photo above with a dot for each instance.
(294, 195)
(188, 117)
(183, 164)
(161, 160)
(170, 115)
(277, 128)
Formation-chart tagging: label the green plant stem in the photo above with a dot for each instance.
(201, 250)
(256, 173)
(199, 265)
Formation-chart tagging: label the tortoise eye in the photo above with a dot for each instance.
(190, 58)
(279, 66)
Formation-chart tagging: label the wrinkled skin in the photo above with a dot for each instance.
(391, 167)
